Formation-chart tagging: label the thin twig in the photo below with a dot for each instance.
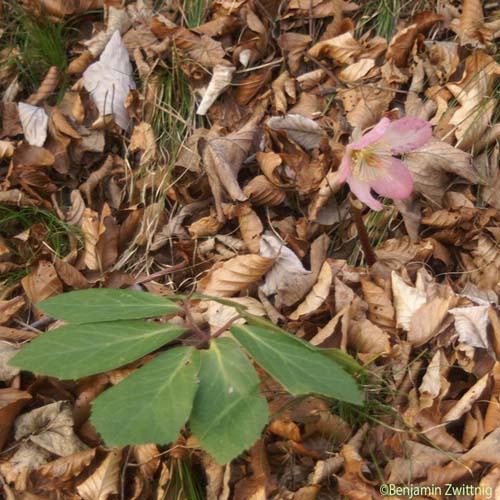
(356, 209)
(159, 274)
(225, 326)
(192, 323)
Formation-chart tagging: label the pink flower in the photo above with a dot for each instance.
(369, 162)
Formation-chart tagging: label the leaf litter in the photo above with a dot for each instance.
(178, 151)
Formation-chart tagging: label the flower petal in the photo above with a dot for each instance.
(345, 166)
(374, 135)
(394, 181)
(362, 191)
(407, 134)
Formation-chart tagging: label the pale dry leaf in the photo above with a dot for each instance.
(90, 229)
(407, 300)
(109, 81)
(118, 20)
(293, 46)
(358, 70)
(471, 324)
(64, 468)
(7, 352)
(6, 149)
(380, 307)
(143, 139)
(220, 81)
(9, 308)
(215, 476)
(34, 121)
(428, 179)
(490, 482)
(286, 277)
(11, 403)
(283, 91)
(437, 435)
(366, 337)
(41, 283)
(147, 457)
(302, 130)
(51, 428)
(427, 320)
(217, 315)
(343, 48)
(317, 295)
(464, 404)
(487, 450)
(434, 382)
(70, 275)
(251, 228)
(105, 481)
(261, 191)
(418, 459)
(234, 275)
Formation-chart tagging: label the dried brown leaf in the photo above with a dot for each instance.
(12, 402)
(105, 480)
(46, 88)
(261, 191)
(41, 283)
(230, 277)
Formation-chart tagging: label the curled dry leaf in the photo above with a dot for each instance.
(302, 130)
(366, 337)
(51, 428)
(70, 275)
(41, 283)
(12, 402)
(47, 87)
(318, 294)
(7, 352)
(250, 228)
(381, 310)
(220, 81)
(10, 307)
(407, 300)
(427, 320)
(471, 324)
(65, 468)
(464, 404)
(230, 277)
(34, 121)
(262, 192)
(343, 48)
(287, 276)
(105, 480)
(487, 450)
(109, 81)
(63, 8)
(220, 314)
(143, 139)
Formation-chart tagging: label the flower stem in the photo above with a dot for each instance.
(356, 209)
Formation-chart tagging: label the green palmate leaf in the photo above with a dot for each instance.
(75, 351)
(300, 369)
(152, 404)
(229, 412)
(106, 304)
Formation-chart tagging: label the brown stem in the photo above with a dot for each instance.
(225, 326)
(356, 209)
(204, 338)
(159, 274)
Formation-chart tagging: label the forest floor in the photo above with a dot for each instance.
(212, 166)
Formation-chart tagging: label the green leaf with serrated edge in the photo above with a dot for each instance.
(152, 404)
(106, 304)
(75, 351)
(300, 369)
(229, 412)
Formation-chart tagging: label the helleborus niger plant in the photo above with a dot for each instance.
(203, 384)
(369, 163)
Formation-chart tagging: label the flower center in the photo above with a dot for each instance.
(367, 162)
